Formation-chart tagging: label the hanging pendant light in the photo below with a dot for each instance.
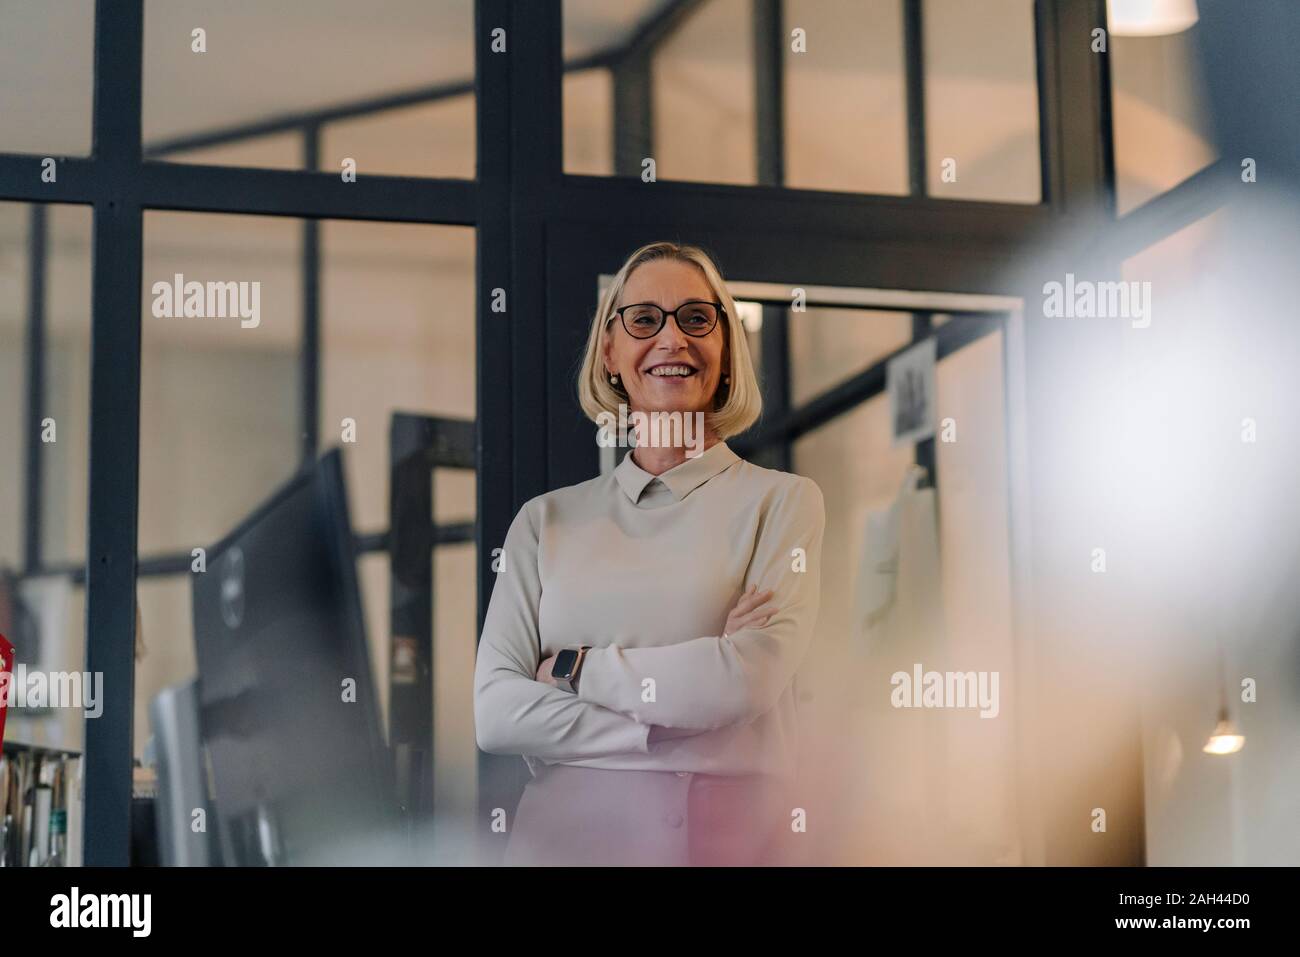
(1150, 18)
(1225, 739)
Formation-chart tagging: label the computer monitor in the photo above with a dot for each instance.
(177, 749)
(287, 708)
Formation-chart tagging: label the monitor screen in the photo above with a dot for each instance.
(288, 712)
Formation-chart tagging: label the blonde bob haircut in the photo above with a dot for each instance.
(736, 406)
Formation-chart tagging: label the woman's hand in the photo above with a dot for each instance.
(749, 611)
(544, 670)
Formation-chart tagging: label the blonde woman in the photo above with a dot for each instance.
(646, 626)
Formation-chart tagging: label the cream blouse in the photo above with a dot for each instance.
(645, 569)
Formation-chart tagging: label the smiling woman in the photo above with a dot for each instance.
(668, 308)
(671, 369)
(642, 641)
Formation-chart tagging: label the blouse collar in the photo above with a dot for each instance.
(681, 479)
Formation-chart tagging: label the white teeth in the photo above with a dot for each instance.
(661, 371)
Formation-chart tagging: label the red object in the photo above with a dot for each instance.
(6, 667)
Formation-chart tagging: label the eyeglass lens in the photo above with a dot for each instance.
(693, 318)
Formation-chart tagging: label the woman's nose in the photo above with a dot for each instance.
(671, 334)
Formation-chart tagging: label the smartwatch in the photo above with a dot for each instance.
(567, 667)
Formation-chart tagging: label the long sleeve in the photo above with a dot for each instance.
(711, 682)
(513, 712)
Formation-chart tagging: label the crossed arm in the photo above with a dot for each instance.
(513, 712)
(677, 690)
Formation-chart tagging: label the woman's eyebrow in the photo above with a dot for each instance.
(651, 302)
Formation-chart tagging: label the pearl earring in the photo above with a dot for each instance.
(613, 380)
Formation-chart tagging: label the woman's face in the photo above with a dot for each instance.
(668, 283)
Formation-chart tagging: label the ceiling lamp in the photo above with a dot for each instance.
(1226, 739)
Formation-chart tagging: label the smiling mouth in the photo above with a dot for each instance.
(672, 372)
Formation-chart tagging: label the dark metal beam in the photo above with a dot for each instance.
(419, 445)
(924, 451)
(309, 352)
(498, 777)
(273, 192)
(656, 29)
(1045, 79)
(33, 447)
(493, 270)
(633, 124)
(769, 103)
(367, 106)
(179, 563)
(914, 66)
(702, 207)
(114, 430)
(536, 160)
(1191, 200)
(1074, 112)
(532, 148)
(769, 91)
(295, 122)
(411, 596)
(775, 370)
(582, 198)
(447, 533)
(20, 179)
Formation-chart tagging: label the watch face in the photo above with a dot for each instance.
(564, 664)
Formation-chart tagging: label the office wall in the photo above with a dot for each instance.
(887, 786)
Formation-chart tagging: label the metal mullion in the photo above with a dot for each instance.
(536, 164)
(633, 127)
(1073, 109)
(1194, 198)
(775, 366)
(150, 566)
(33, 454)
(493, 269)
(688, 206)
(494, 347)
(293, 122)
(769, 91)
(309, 351)
(165, 564)
(924, 451)
(20, 179)
(768, 40)
(914, 76)
(113, 508)
(369, 106)
(526, 171)
(663, 24)
(1045, 78)
(302, 193)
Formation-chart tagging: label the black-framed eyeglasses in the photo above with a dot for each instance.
(643, 320)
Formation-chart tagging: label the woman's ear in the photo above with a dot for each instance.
(607, 354)
(723, 388)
